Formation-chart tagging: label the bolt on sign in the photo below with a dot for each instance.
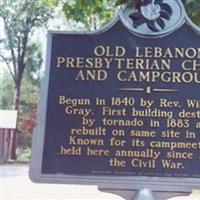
(121, 106)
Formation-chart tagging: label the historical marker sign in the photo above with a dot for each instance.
(122, 105)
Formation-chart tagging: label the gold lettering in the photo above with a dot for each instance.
(60, 60)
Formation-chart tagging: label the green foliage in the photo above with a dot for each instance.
(50, 2)
(6, 90)
(95, 13)
(29, 93)
(193, 9)
(23, 154)
(127, 2)
(21, 18)
(119, 2)
(28, 105)
(91, 13)
(27, 110)
(33, 62)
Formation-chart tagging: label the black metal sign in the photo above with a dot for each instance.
(121, 104)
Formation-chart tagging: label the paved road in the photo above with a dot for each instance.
(14, 170)
(16, 185)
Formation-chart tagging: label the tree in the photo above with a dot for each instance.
(27, 109)
(28, 103)
(92, 13)
(21, 18)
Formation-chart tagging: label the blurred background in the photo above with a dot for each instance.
(23, 29)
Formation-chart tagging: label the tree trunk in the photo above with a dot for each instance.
(16, 98)
(12, 145)
(13, 133)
